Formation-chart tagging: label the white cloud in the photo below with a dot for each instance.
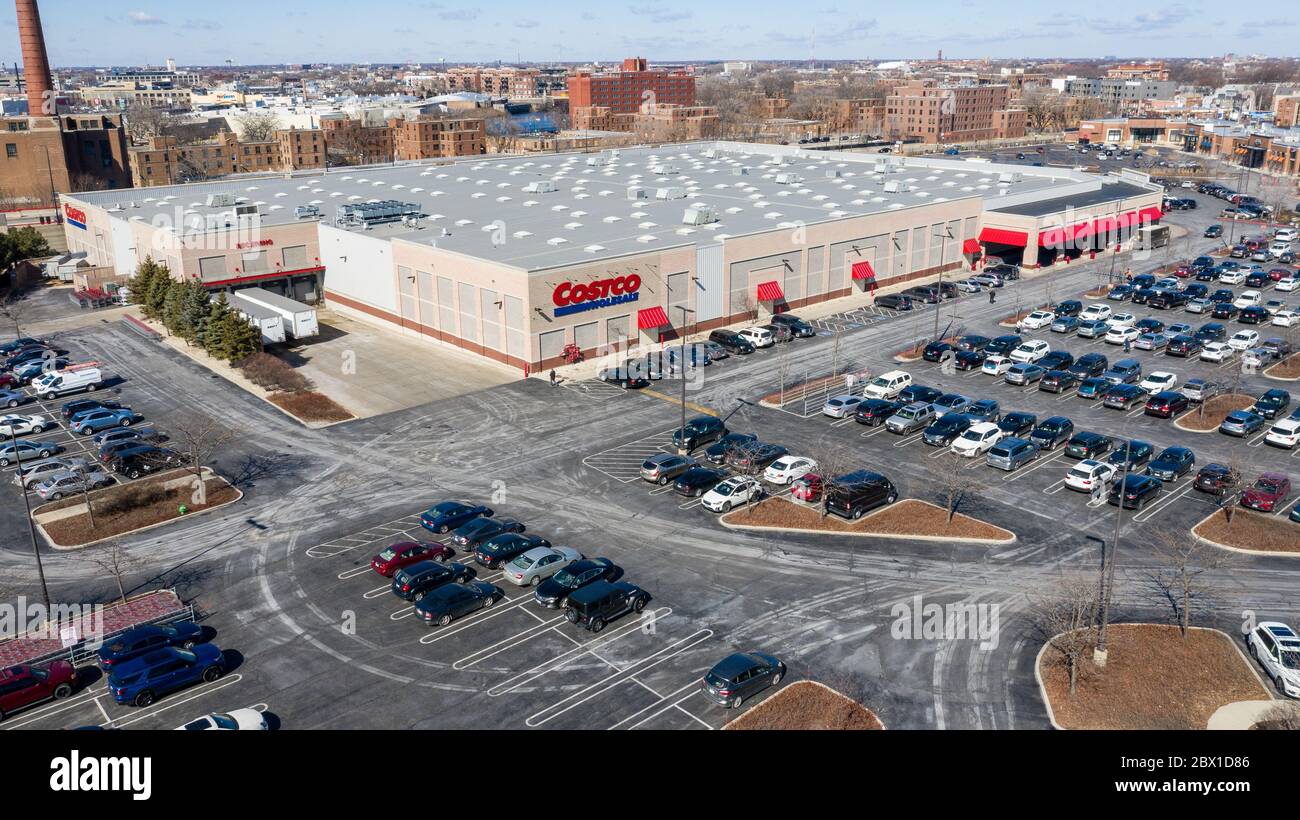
(141, 18)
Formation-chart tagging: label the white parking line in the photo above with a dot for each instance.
(1017, 474)
(492, 650)
(476, 618)
(906, 440)
(665, 703)
(193, 694)
(354, 572)
(1151, 512)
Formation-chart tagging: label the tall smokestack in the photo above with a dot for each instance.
(36, 65)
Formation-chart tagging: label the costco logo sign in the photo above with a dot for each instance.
(75, 216)
(571, 297)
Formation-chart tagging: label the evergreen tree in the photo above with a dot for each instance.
(146, 273)
(159, 286)
(173, 307)
(194, 312)
(243, 340)
(218, 329)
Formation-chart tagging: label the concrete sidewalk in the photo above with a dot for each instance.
(1240, 715)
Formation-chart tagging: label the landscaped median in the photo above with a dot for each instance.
(1287, 370)
(909, 518)
(127, 508)
(1215, 410)
(1250, 531)
(914, 352)
(808, 705)
(1154, 678)
(1015, 318)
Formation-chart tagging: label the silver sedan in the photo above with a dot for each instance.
(536, 565)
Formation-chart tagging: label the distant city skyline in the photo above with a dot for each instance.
(137, 32)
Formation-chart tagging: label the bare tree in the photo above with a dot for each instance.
(1285, 716)
(1064, 616)
(1180, 575)
(117, 562)
(195, 440)
(258, 127)
(143, 122)
(952, 481)
(14, 308)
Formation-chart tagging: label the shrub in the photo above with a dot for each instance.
(131, 497)
(270, 373)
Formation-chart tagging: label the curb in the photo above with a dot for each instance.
(1042, 687)
(728, 724)
(1241, 550)
(834, 533)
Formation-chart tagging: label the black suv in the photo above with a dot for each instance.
(1089, 365)
(594, 605)
(496, 551)
(1003, 345)
(134, 462)
(946, 429)
(554, 592)
(852, 495)
(414, 582)
(1070, 307)
(1137, 490)
(797, 326)
(732, 342)
(699, 430)
(718, 451)
(895, 301)
(1272, 404)
(1051, 432)
(1183, 345)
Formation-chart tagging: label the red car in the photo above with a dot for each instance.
(23, 685)
(405, 553)
(1182, 271)
(1276, 274)
(8, 380)
(1269, 490)
(807, 487)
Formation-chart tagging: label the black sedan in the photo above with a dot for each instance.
(873, 412)
(970, 359)
(1172, 463)
(1018, 425)
(1056, 360)
(697, 481)
(473, 533)
(1166, 404)
(717, 453)
(451, 514)
(1136, 491)
(972, 342)
(935, 351)
(1123, 396)
(754, 456)
(135, 642)
(1057, 381)
(1255, 315)
(554, 592)
(447, 603)
(496, 551)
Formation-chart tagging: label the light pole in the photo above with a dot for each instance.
(1108, 562)
(945, 235)
(31, 525)
(681, 374)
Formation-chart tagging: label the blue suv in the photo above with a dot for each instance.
(142, 680)
(143, 639)
(90, 422)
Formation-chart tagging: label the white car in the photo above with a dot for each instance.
(21, 425)
(1248, 298)
(996, 365)
(1277, 648)
(787, 468)
(1038, 319)
(1284, 433)
(1286, 235)
(1120, 335)
(1243, 340)
(1216, 352)
(1287, 284)
(732, 492)
(838, 407)
(538, 564)
(1232, 277)
(1085, 475)
(1031, 351)
(977, 439)
(233, 720)
(969, 286)
(1158, 380)
(1255, 357)
(1286, 318)
(758, 336)
(1276, 249)
(1094, 312)
(1121, 320)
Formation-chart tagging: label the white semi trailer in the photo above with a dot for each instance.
(299, 319)
(269, 321)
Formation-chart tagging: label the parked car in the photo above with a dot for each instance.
(536, 565)
(1087, 444)
(140, 681)
(699, 430)
(1267, 493)
(887, 385)
(1086, 475)
(946, 429)
(140, 640)
(1057, 381)
(796, 325)
(1166, 404)
(977, 439)
(499, 549)
(873, 412)
(1124, 371)
(1158, 381)
(1241, 423)
(984, 410)
(1011, 453)
(1216, 479)
(405, 553)
(843, 406)
(741, 676)
(1277, 649)
(1089, 365)
(23, 685)
(1024, 374)
(448, 515)
(996, 365)
(732, 342)
(787, 468)
(721, 450)
(1183, 345)
(414, 582)
(731, 493)
(448, 602)
(1172, 464)
(1017, 424)
(696, 481)
(1051, 432)
(854, 494)
(1273, 403)
(595, 605)
(1134, 492)
(57, 486)
(20, 425)
(1136, 454)
(661, 468)
(1284, 433)
(12, 452)
(553, 593)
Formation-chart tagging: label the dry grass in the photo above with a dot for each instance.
(798, 389)
(1153, 679)
(1216, 410)
(915, 351)
(1098, 293)
(1250, 530)
(272, 373)
(807, 705)
(906, 517)
(1288, 368)
(310, 406)
(76, 530)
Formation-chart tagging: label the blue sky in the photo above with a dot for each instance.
(134, 32)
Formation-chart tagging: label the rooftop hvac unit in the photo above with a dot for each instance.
(891, 187)
(597, 161)
(245, 210)
(541, 186)
(1009, 176)
(663, 169)
(788, 179)
(833, 175)
(699, 215)
(306, 212)
(634, 193)
(218, 200)
(670, 193)
(367, 214)
(740, 171)
(711, 153)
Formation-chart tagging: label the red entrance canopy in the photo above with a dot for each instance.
(1064, 234)
(1002, 236)
(862, 270)
(971, 247)
(770, 292)
(1150, 215)
(651, 318)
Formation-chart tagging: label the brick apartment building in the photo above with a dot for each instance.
(677, 122)
(497, 82)
(357, 143)
(949, 114)
(863, 116)
(126, 95)
(625, 91)
(167, 161)
(71, 152)
(1286, 110)
(1139, 71)
(772, 107)
(434, 137)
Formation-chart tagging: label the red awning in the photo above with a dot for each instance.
(1150, 215)
(862, 270)
(1063, 235)
(770, 292)
(1106, 224)
(651, 318)
(971, 247)
(1002, 236)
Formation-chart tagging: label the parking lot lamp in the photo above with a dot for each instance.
(31, 525)
(681, 367)
(1108, 566)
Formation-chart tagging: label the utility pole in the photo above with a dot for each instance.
(681, 374)
(945, 235)
(1108, 561)
(31, 525)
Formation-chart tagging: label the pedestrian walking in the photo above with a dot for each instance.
(1097, 490)
(993, 296)
(554, 380)
(1020, 327)
(1127, 346)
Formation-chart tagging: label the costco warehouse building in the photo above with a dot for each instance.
(513, 258)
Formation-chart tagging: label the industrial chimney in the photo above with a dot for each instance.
(36, 65)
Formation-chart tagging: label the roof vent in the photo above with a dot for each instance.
(636, 192)
(541, 186)
(670, 193)
(699, 214)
